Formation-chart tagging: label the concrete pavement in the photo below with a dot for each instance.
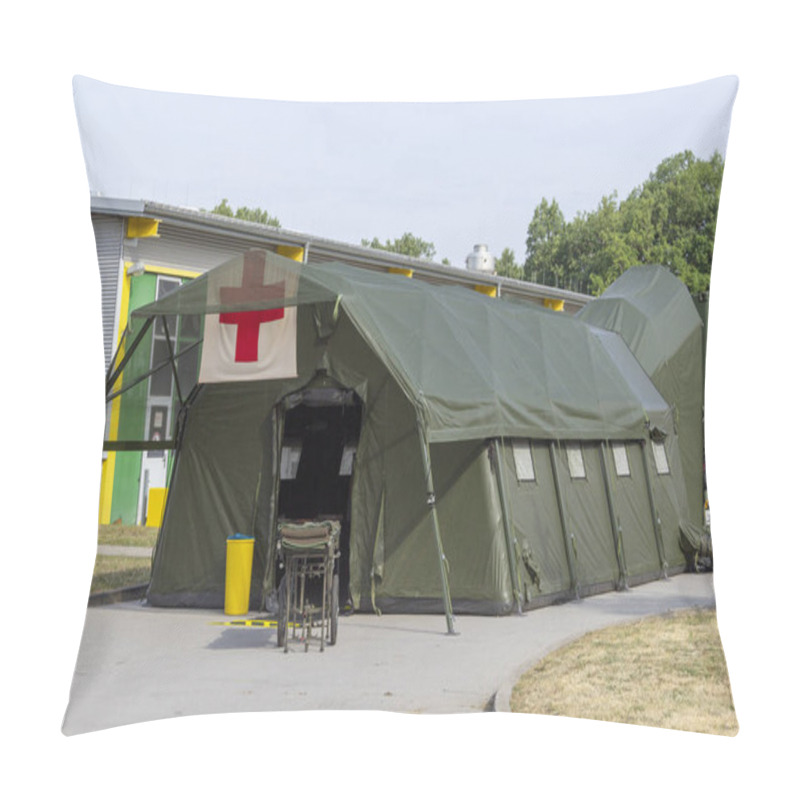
(124, 550)
(138, 663)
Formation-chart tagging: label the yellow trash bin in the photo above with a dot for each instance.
(238, 571)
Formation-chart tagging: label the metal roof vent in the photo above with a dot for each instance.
(481, 260)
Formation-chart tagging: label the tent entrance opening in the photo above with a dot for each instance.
(320, 436)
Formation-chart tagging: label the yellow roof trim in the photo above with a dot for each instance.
(142, 227)
(288, 251)
(172, 271)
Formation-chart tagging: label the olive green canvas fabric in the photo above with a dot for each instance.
(655, 315)
(449, 372)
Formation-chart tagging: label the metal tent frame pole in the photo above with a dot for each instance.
(114, 372)
(507, 527)
(426, 459)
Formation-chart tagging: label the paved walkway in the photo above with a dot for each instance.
(122, 550)
(138, 663)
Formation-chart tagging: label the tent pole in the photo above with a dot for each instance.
(615, 528)
(117, 354)
(654, 511)
(277, 418)
(426, 458)
(512, 561)
(111, 378)
(569, 539)
(146, 375)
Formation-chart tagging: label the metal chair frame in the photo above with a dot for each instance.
(308, 551)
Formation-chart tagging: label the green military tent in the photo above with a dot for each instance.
(654, 313)
(485, 456)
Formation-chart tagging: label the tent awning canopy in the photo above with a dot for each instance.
(474, 367)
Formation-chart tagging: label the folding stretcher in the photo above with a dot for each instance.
(308, 594)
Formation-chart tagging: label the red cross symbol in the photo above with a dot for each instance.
(252, 290)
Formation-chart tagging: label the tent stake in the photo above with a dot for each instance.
(426, 458)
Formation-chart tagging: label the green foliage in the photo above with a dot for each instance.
(243, 212)
(407, 245)
(544, 236)
(507, 266)
(670, 219)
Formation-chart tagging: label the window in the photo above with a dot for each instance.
(161, 380)
(523, 459)
(660, 455)
(189, 332)
(575, 461)
(621, 464)
(348, 457)
(290, 460)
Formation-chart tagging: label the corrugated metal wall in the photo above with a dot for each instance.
(108, 233)
(189, 249)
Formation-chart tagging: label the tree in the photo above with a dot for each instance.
(507, 266)
(684, 195)
(544, 230)
(407, 245)
(670, 219)
(243, 212)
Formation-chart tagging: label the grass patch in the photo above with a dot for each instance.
(127, 535)
(119, 572)
(664, 672)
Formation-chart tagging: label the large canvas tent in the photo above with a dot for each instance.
(484, 456)
(654, 314)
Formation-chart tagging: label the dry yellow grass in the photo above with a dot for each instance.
(665, 672)
(118, 572)
(127, 535)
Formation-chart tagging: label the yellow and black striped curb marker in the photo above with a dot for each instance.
(251, 623)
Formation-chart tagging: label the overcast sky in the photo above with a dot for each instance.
(456, 174)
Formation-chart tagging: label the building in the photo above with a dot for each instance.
(146, 250)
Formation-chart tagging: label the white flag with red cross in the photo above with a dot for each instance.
(250, 345)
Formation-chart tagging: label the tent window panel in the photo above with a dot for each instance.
(660, 455)
(577, 469)
(523, 459)
(348, 457)
(290, 460)
(621, 463)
